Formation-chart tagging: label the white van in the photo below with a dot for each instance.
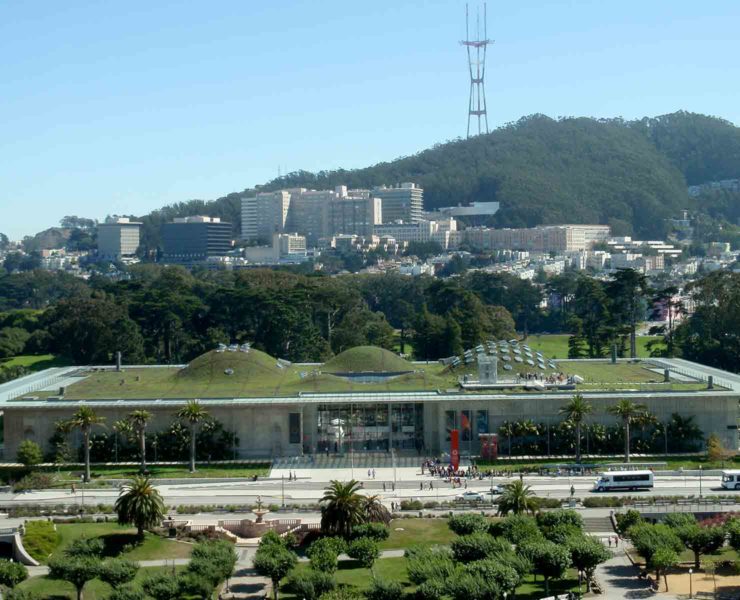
(731, 480)
(624, 480)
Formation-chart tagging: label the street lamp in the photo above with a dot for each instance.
(700, 478)
(691, 583)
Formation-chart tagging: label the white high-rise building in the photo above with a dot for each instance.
(265, 214)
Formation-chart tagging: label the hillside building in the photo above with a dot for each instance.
(193, 240)
(118, 238)
(403, 203)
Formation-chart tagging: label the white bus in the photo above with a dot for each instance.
(731, 480)
(624, 480)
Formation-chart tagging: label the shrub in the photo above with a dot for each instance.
(384, 589)
(516, 528)
(34, 481)
(161, 586)
(541, 503)
(505, 577)
(374, 531)
(554, 518)
(365, 551)
(411, 505)
(467, 523)
(427, 564)
(624, 521)
(310, 584)
(118, 571)
(85, 547)
(343, 593)
(40, 539)
(477, 546)
(323, 553)
(29, 453)
(12, 573)
(679, 520)
(603, 502)
(433, 589)
(127, 592)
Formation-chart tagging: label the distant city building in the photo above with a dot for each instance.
(286, 247)
(476, 209)
(315, 214)
(402, 203)
(118, 238)
(192, 240)
(265, 214)
(546, 238)
(421, 231)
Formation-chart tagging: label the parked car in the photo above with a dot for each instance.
(495, 490)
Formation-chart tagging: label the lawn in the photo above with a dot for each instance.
(118, 541)
(35, 362)
(556, 345)
(54, 589)
(172, 471)
(425, 532)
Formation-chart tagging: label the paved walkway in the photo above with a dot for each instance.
(618, 578)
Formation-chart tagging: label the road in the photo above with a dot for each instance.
(310, 491)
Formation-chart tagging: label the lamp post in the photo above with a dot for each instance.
(700, 480)
(282, 485)
(691, 583)
(82, 488)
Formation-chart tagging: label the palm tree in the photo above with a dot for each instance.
(193, 413)
(576, 411)
(517, 498)
(628, 411)
(139, 419)
(85, 419)
(140, 504)
(342, 508)
(374, 510)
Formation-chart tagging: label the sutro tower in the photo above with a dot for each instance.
(477, 67)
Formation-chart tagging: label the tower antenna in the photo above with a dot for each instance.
(477, 68)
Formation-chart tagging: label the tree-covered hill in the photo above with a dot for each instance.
(631, 175)
(703, 148)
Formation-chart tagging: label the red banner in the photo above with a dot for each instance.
(455, 448)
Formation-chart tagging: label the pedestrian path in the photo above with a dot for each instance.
(618, 578)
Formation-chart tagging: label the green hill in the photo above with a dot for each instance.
(365, 359)
(631, 175)
(245, 366)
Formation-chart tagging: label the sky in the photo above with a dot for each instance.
(124, 107)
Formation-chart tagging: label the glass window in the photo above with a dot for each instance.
(294, 428)
(465, 425)
(450, 423)
(481, 421)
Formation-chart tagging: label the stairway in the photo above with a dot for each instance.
(358, 460)
(597, 525)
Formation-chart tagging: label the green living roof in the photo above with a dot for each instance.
(367, 359)
(256, 374)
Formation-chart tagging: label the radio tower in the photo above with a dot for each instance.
(477, 67)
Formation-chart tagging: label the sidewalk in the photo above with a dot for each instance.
(618, 578)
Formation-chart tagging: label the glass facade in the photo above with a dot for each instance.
(369, 427)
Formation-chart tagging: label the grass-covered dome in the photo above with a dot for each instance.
(245, 366)
(367, 359)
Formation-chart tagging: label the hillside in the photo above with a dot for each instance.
(631, 175)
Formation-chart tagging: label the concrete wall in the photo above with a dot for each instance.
(263, 429)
